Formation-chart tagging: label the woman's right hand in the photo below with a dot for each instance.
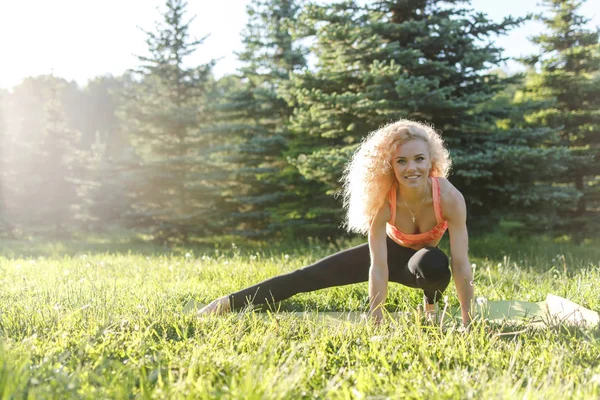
(217, 307)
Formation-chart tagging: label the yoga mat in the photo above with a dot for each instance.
(569, 312)
(553, 310)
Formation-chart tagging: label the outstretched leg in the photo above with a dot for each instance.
(426, 269)
(342, 268)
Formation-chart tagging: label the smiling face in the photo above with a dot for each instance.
(412, 163)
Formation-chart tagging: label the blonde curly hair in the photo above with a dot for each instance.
(369, 174)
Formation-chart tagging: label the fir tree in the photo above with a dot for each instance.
(59, 168)
(101, 99)
(25, 135)
(424, 60)
(527, 159)
(256, 118)
(569, 76)
(175, 187)
(104, 186)
(43, 159)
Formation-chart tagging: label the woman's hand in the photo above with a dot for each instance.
(218, 307)
(466, 314)
(376, 315)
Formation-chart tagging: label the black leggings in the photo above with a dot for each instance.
(426, 269)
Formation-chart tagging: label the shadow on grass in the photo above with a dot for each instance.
(125, 243)
(538, 252)
(49, 247)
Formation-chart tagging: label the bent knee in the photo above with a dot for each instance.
(432, 264)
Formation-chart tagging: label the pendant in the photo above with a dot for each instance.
(413, 218)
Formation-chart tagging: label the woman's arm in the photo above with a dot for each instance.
(456, 214)
(378, 271)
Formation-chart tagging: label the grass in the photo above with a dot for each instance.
(93, 319)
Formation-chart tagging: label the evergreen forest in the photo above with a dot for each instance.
(170, 151)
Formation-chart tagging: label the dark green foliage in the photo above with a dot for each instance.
(255, 117)
(568, 79)
(260, 153)
(174, 186)
(421, 60)
(523, 159)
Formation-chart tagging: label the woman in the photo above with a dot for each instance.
(396, 192)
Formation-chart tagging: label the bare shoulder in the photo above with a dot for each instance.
(453, 201)
(382, 216)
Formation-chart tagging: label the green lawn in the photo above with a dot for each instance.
(104, 320)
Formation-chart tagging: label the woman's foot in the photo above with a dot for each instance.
(217, 307)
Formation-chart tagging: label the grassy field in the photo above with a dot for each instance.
(97, 319)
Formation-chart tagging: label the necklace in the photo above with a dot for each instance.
(414, 216)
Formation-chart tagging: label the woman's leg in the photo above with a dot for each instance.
(342, 268)
(426, 269)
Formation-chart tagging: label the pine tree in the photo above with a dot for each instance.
(103, 186)
(25, 107)
(175, 191)
(528, 157)
(43, 158)
(59, 167)
(424, 60)
(568, 75)
(256, 118)
(101, 99)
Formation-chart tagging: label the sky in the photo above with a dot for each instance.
(80, 39)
